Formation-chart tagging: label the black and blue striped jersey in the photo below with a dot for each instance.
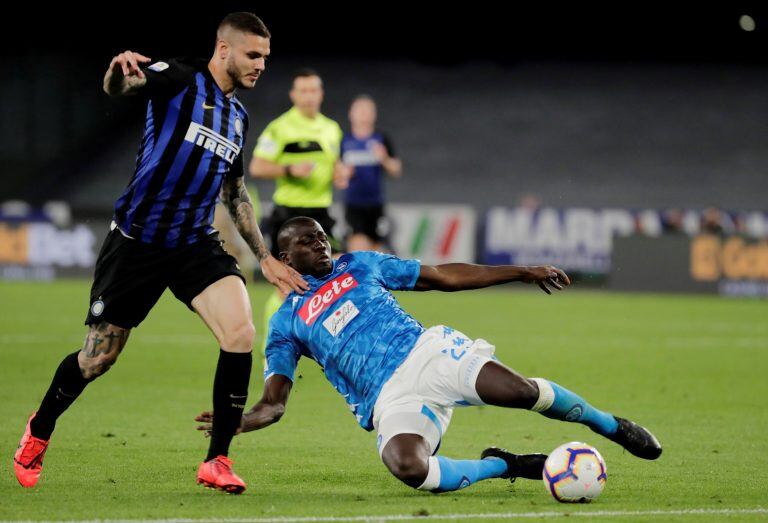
(193, 139)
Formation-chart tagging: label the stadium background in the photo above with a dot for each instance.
(602, 139)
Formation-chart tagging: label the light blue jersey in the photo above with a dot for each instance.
(351, 325)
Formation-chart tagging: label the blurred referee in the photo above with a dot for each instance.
(300, 151)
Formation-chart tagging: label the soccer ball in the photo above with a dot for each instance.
(574, 473)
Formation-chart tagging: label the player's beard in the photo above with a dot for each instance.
(236, 77)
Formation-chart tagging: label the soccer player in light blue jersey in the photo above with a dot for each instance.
(404, 380)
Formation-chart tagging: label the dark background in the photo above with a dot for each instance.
(424, 31)
(631, 104)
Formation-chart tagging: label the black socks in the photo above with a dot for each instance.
(66, 386)
(230, 391)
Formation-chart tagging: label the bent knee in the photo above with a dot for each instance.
(239, 338)
(411, 470)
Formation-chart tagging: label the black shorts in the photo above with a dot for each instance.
(365, 220)
(131, 276)
(281, 214)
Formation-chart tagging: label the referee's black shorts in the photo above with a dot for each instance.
(281, 214)
(131, 276)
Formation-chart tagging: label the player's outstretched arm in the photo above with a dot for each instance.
(465, 276)
(235, 196)
(124, 75)
(267, 411)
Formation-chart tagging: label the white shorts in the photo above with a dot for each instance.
(438, 375)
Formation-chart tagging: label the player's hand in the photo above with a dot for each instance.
(547, 277)
(342, 174)
(128, 64)
(302, 170)
(206, 418)
(285, 278)
(380, 152)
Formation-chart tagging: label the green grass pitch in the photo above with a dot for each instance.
(692, 369)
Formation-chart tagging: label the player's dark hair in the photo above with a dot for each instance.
(304, 72)
(245, 22)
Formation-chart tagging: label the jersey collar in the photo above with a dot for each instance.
(339, 266)
(296, 115)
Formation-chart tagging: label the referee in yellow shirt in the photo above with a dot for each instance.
(300, 151)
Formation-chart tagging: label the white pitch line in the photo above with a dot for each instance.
(439, 517)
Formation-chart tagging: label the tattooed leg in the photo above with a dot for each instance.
(101, 347)
(100, 350)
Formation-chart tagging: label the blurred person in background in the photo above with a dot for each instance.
(530, 202)
(300, 151)
(672, 221)
(370, 155)
(712, 221)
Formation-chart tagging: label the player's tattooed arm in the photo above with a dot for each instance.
(124, 75)
(465, 276)
(235, 196)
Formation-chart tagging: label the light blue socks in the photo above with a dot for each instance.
(557, 402)
(447, 474)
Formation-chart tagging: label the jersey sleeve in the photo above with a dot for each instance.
(166, 79)
(339, 139)
(269, 145)
(282, 352)
(394, 273)
(387, 142)
(343, 145)
(236, 171)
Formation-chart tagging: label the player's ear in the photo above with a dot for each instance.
(222, 49)
(284, 258)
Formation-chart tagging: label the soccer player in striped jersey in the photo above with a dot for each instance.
(161, 235)
(403, 380)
